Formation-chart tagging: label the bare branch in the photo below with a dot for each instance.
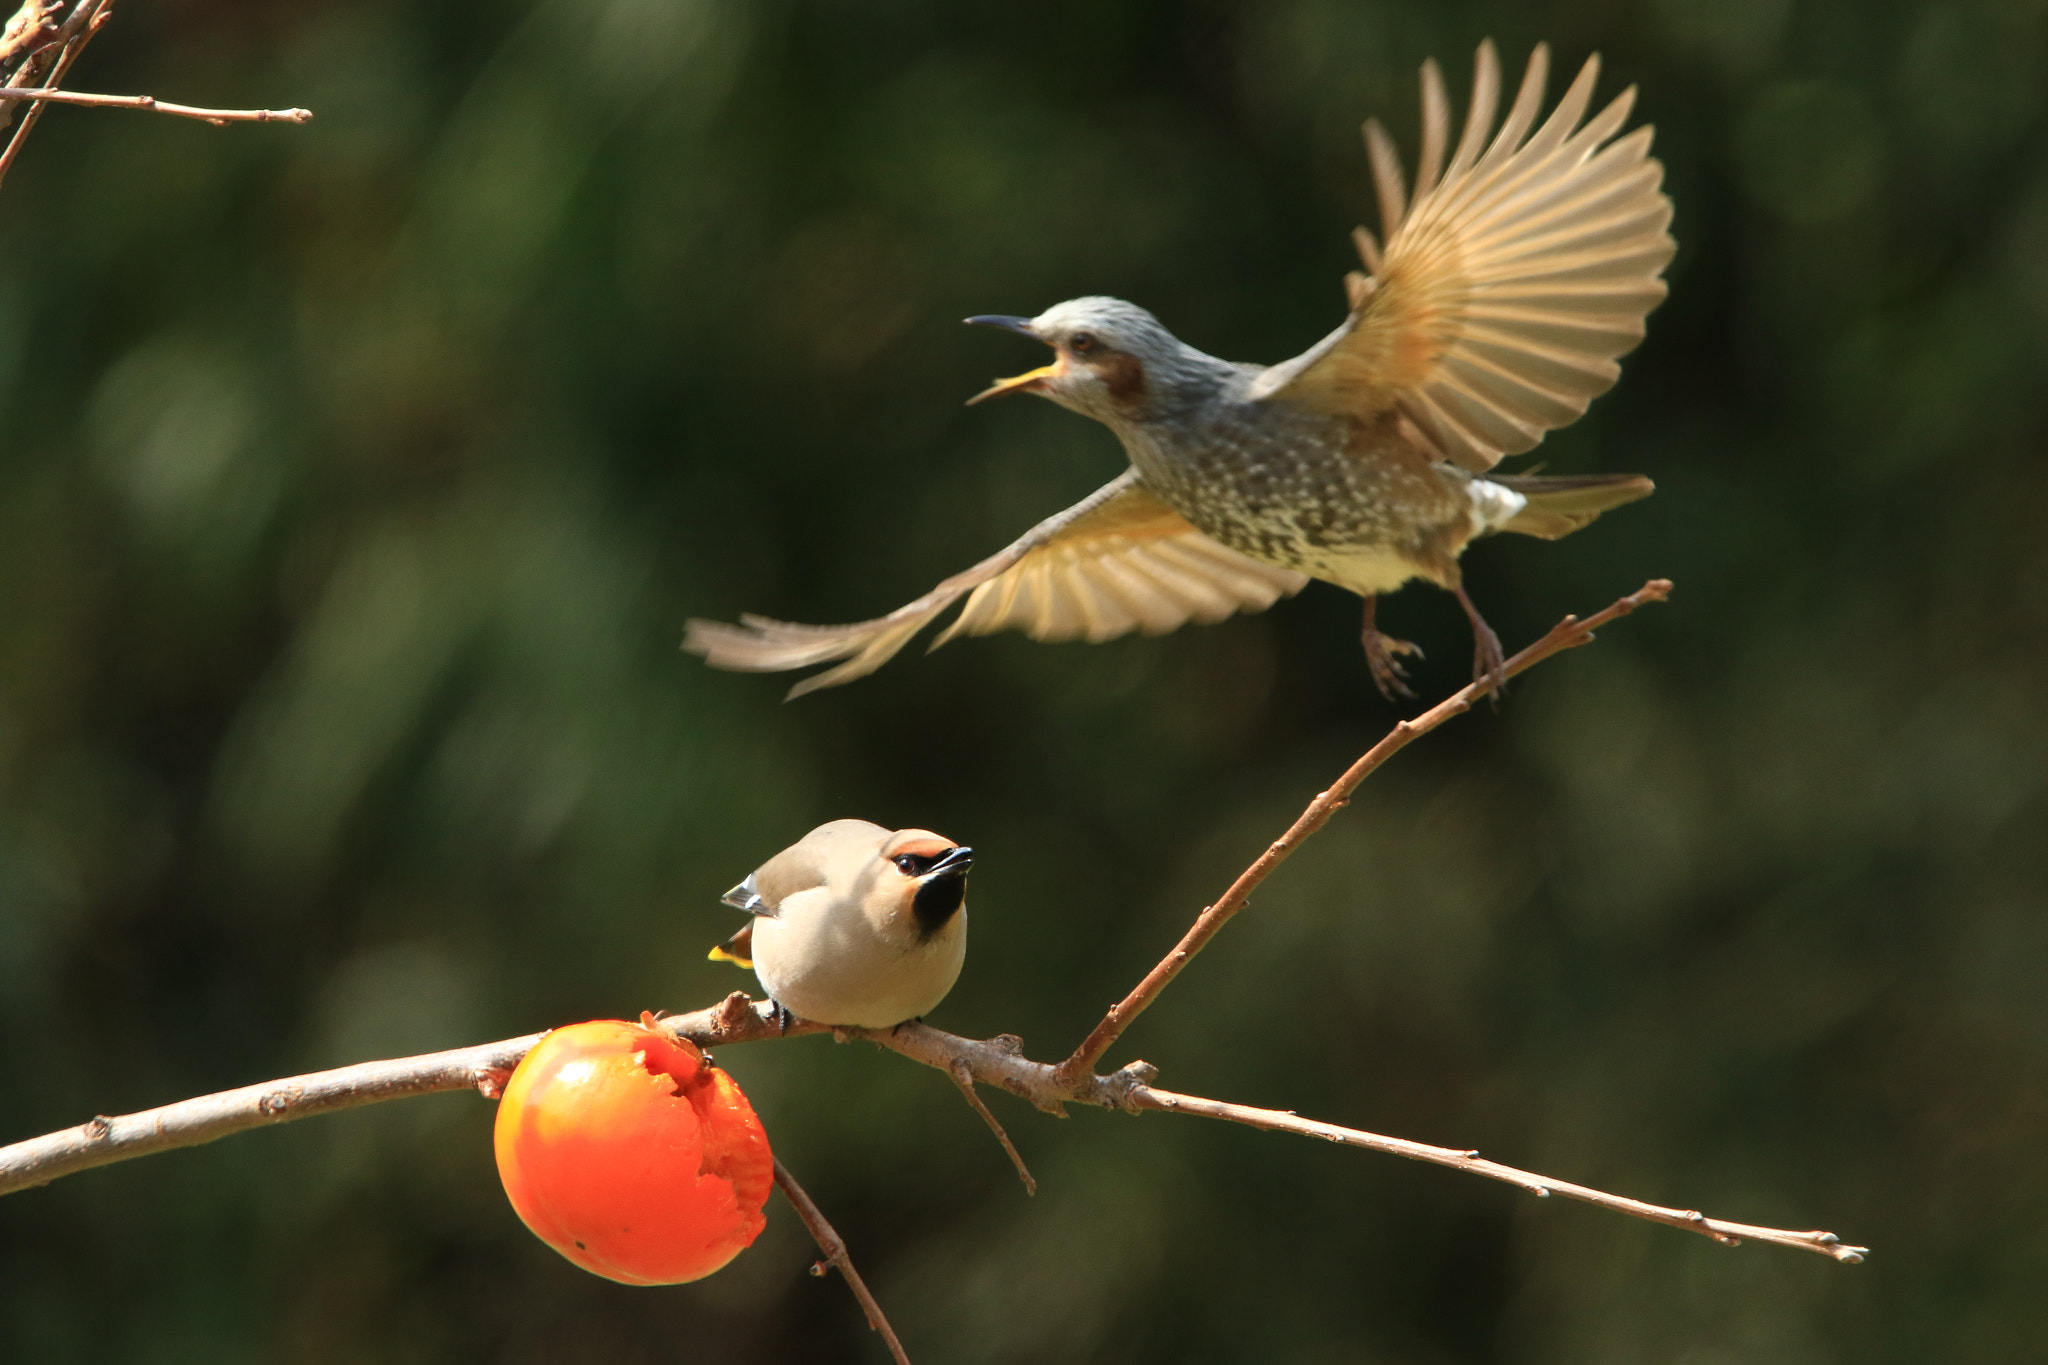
(1569, 633)
(1542, 1186)
(998, 1062)
(79, 28)
(834, 1246)
(29, 29)
(963, 1076)
(189, 1123)
(214, 116)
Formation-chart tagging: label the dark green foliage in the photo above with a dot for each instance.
(359, 477)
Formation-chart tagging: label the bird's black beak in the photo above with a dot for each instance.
(746, 897)
(959, 858)
(1032, 379)
(1022, 325)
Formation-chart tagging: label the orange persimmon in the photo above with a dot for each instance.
(625, 1152)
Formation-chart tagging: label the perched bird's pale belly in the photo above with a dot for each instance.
(846, 973)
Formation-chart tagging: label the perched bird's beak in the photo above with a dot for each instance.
(959, 858)
(1034, 379)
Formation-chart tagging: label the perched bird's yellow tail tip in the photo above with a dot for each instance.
(719, 954)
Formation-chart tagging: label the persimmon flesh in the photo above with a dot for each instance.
(625, 1152)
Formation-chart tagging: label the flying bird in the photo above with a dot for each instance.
(853, 924)
(1511, 279)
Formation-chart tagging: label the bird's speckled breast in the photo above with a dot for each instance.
(1356, 506)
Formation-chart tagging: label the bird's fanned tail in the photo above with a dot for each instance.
(1560, 504)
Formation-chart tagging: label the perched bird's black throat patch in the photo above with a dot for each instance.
(940, 894)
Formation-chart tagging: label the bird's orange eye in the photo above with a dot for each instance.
(1081, 343)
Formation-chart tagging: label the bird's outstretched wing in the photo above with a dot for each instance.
(1510, 284)
(1117, 561)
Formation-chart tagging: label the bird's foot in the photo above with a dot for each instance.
(1380, 656)
(778, 1012)
(1381, 659)
(1489, 662)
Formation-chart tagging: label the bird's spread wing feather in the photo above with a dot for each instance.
(1509, 285)
(1117, 561)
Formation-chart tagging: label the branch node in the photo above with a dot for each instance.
(1008, 1043)
(100, 1129)
(1122, 1085)
(834, 1246)
(734, 1013)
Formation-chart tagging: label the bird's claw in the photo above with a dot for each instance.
(1381, 660)
(1489, 663)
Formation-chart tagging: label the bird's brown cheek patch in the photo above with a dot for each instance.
(1124, 377)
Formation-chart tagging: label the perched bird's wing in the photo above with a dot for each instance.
(1511, 283)
(1117, 561)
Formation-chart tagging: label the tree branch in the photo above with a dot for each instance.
(998, 1062)
(1569, 633)
(29, 29)
(834, 1246)
(51, 48)
(215, 116)
(78, 29)
(1542, 1186)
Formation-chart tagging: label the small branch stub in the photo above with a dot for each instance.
(834, 1246)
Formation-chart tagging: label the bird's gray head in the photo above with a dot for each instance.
(1114, 362)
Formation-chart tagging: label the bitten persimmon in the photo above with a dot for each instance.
(625, 1152)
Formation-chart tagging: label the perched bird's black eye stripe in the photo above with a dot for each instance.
(913, 864)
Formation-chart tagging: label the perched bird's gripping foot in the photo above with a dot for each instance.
(1380, 657)
(1489, 664)
(781, 1015)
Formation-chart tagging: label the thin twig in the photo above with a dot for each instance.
(214, 116)
(1566, 634)
(1542, 1186)
(963, 1076)
(834, 1246)
(83, 24)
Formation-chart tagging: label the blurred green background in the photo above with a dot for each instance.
(359, 477)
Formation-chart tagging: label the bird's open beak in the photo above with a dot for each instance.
(1034, 379)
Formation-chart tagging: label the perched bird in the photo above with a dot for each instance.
(855, 925)
(1511, 279)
